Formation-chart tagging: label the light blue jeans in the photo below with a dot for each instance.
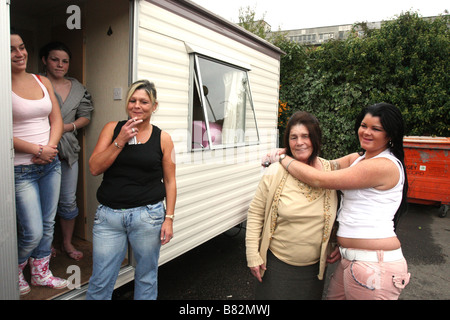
(67, 206)
(113, 228)
(37, 192)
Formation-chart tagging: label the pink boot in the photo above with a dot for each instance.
(23, 284)
(42, 276)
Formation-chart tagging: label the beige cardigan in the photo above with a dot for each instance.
(259, 219)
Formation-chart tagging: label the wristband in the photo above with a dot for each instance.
(289, 164)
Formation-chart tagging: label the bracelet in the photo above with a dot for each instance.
(289, 164)
(117, 145)
(41, 148)
(170, 216)
(74, 127)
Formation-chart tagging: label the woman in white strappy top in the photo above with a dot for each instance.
(374, 187)
(37, 129)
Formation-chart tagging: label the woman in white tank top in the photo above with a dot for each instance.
(374, 187)
(37, 128)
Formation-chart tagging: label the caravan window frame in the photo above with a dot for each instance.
(204, 133)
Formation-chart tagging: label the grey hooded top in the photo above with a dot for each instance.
(78, 104)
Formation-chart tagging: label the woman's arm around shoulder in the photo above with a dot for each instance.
(344, 162)
(379, 173)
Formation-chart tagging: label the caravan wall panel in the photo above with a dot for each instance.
(215, 187)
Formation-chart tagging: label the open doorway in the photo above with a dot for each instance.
(101, 62)
(40, 22)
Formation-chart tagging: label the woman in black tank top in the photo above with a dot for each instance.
(135, 158)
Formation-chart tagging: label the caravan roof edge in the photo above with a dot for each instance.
(208, 19)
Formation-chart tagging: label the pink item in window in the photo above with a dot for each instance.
(200, 136)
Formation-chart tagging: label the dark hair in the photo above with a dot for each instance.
(392, 121)
(14, 31)
(315, 133)
(55, 45)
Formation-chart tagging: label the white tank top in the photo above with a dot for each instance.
(30, 122)
(368, 213)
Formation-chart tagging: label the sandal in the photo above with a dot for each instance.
(75, 254)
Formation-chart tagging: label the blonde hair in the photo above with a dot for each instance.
(146, 85)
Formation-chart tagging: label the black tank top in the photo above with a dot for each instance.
(135, 177)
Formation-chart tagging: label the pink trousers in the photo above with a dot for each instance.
(361, 280)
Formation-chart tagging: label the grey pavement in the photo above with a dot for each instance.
(426, 245)
(217, 269)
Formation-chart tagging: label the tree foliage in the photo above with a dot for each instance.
(405, 62)
(247, 21)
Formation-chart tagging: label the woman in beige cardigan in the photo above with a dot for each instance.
(289, 223)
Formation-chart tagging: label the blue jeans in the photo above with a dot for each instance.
(37, 192)
(113, 228)
(67, 207)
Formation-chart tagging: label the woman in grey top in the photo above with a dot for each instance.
(76, 107)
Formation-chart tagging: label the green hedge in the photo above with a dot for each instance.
(405, 63)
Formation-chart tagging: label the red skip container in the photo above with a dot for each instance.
(427, 166)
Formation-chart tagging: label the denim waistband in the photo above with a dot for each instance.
(150, 206)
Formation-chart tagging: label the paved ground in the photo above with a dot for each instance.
(426, 245)
(217, 269)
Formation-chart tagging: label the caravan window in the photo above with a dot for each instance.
(222, 108)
